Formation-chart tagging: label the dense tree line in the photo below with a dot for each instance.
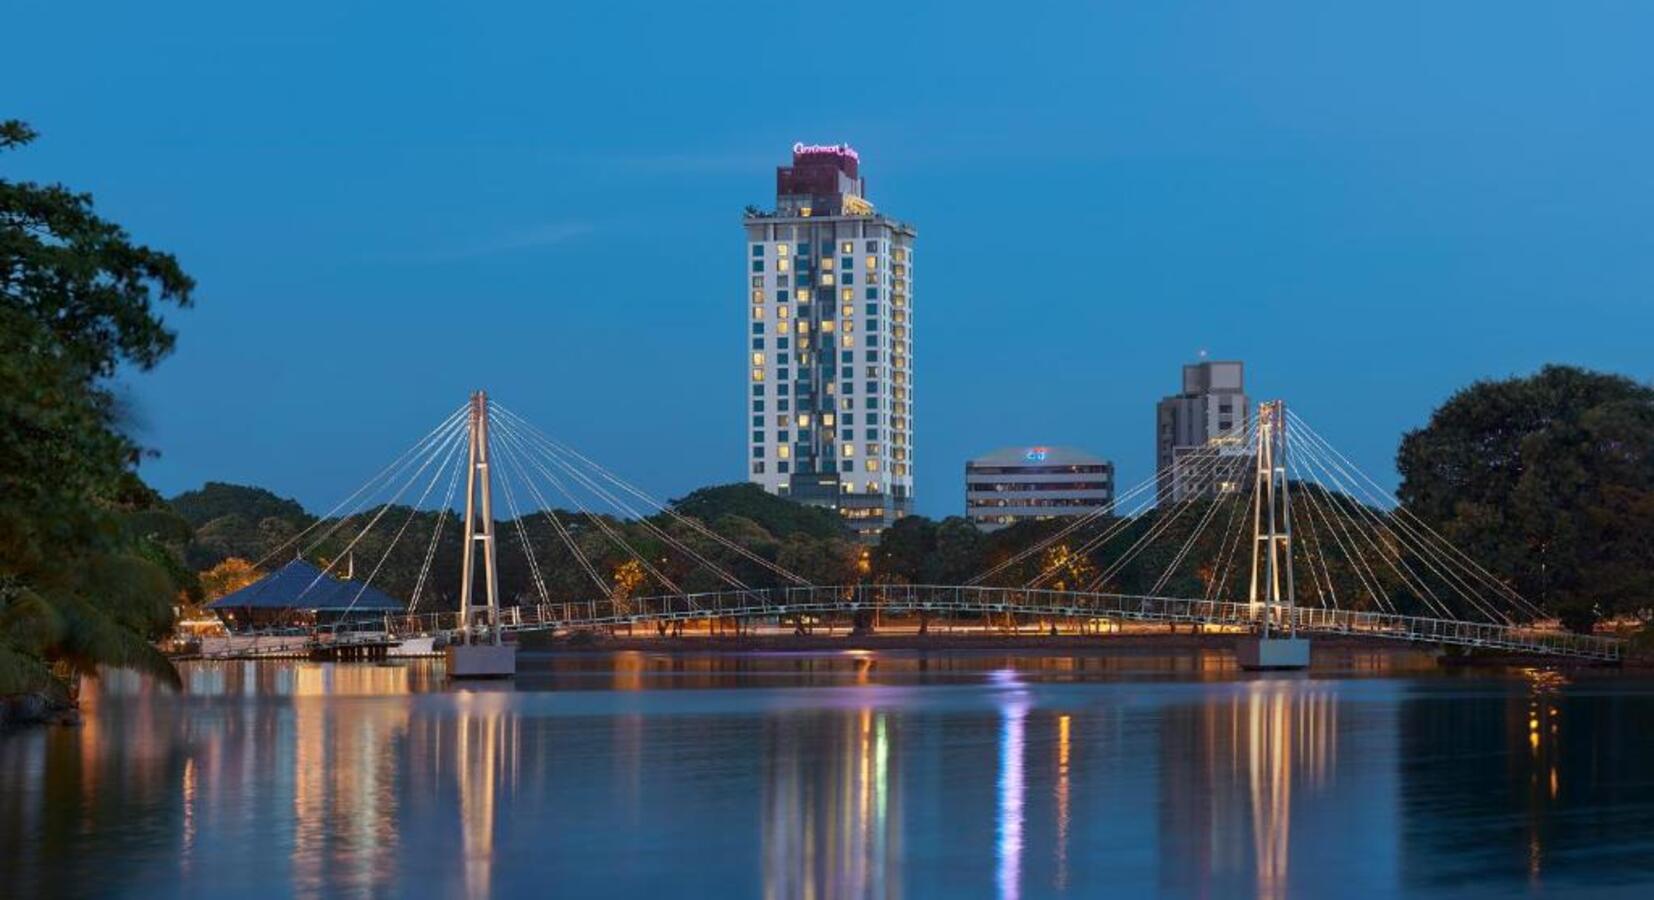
(1181, 560)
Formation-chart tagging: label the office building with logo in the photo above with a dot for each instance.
(1018, 483)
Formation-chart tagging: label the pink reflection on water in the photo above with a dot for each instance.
(1014, 714)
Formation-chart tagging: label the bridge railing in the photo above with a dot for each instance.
(797, 601)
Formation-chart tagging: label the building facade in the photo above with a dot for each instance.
(1199, 433)
(1017, 483)
(830, 343)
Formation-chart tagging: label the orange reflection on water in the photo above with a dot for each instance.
(1063, 750)
(485, 764)
(831, 827)
(1269, 755)
(1231, 771)
(345, 772)
(1543, 721)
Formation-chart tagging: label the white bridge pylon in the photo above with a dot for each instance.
(489, 657)
(1272, 523)
(479, 492)
(1272, 553)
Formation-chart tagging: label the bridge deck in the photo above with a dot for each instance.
(945, 599)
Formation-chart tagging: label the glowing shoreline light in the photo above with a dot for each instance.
(803, 149)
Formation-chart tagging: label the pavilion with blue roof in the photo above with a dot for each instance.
(300, 593)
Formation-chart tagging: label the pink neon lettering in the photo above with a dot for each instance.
(802, 148)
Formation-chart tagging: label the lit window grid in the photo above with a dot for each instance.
(891, 277)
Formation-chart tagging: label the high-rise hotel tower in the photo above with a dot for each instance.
(830, 343)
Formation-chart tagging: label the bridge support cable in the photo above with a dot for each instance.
(1398, 548)
(596, 519)
(1120, 499)
(1164, 520)
(554, 447)
(1407, 521)
(1188, 544)
(1234, 532)
(625, 508)
(522, 532)
(1390, 545)
(1194, 536)
(1315, 550)
(558, 452)
(451, 461)
(562, 530)
(1219, 458)
(1138, 494)
(1116, 527)
(1400, 532)
(384, 508)
(1403, 535)
(374, 498)
(1317, 502)
(1366, 524)
(449, 443)
(1345, 517)
(442, 514)
(419, 447)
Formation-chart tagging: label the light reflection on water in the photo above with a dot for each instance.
(826, 775)
(1013, 702)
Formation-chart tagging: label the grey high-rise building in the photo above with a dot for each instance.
(1199, 446)
(830, 343)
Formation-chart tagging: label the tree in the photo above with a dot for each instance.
(821, 562)
(779, 516)
(905, 550)
(958, 554)
(80, 586)
(1069, 571)
(227, 577)
(1547, 481)
(216, 499)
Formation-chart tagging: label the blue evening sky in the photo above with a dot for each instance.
(387, 205)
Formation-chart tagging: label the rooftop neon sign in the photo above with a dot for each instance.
(802, 148)
(1035, 454)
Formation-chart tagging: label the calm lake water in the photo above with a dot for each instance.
(833, 775)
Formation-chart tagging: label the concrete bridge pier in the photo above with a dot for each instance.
(482, 660)
(1262, 653)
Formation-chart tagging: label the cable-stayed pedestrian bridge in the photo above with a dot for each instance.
(1268, 531)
